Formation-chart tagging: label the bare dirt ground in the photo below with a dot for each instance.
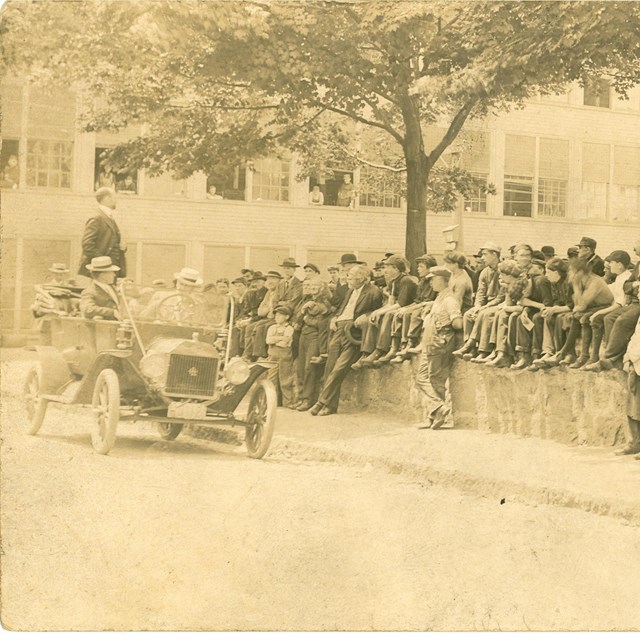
(194, 535)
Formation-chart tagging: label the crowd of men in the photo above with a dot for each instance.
(521, 308)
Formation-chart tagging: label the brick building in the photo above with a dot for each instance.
(563, 167)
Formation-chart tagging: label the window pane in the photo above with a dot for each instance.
(520, 154)
(518, 196)
(552, 198)
(597, 94)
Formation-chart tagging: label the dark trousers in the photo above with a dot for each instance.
(377, 335)
(259, 337)
(308, 375)
(619, 326)
(342, 354)
(530, 341)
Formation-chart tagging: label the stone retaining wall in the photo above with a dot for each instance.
(572, 407)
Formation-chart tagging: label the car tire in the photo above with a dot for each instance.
(106, 410)
(261, 418)
(35, 406)
(169, 430)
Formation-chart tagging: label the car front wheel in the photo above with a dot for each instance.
(261, 418)
(35, 406)
(106, 410)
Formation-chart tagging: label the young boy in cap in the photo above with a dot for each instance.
(438, 343)
(279, 339)
(587, 250)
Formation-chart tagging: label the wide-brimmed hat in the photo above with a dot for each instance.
(239, 281)
(59, 267)
(273, 274)
(490, 246)
(258, 275)
(189, 277)
(439, 271)
(289, 262)
(312, 266)
(350, 258)
(588, 242)
(102, 263)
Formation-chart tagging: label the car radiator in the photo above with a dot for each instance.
(191, 376)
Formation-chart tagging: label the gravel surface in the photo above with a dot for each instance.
(194, 535)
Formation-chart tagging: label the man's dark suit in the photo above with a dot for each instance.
(291, 292)
(101, 237)
(95, 301)
(342, 351)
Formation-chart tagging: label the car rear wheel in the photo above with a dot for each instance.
(169, 430)
(35, 406)
(261, 418)
(106, 410)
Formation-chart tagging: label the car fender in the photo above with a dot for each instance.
(55, 372)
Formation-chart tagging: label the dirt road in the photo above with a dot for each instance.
(193, 535)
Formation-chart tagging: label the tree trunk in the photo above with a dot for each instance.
(417, 173)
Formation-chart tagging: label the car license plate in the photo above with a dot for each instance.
(187, 410)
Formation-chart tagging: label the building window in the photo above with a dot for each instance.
(271, 180)
(105, 176)
(553, 177)
(229, 184)
(518, 196)
(595, 181)
(597, 94)
(9, 164)
(519, 169)
(625, 191)
(552, 198)
(378, 188)
(336, 185)
(476, 201)
(49, 164)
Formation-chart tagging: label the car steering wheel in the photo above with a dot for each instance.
(178, 307)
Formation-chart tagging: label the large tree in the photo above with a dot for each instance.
(221, 82)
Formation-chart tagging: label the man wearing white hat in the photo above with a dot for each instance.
(100, 299)
(188, 282)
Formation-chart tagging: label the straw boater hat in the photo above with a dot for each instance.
(190, 277)
(59, 267)
(102, 263)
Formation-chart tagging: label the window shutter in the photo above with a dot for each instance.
(520, 154)
(554, 158)
(626, 166)
(595, 162)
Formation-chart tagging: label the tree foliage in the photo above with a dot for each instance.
(219, 83)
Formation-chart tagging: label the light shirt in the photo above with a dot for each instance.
(349, 311)
(445, 309)
(106, 210)
(619, 296)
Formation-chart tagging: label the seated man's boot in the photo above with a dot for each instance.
(465, 348)
(523, 363)
(359, 363)
(580, 362)
(372, 359)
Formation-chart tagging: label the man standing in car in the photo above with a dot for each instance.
(101, 235)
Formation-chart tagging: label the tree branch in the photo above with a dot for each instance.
(374, 164)
(452, 131)
(354, 116)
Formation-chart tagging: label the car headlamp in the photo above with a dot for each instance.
(154, 365)
(237, 371)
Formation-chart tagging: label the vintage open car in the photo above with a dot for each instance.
(173, 371)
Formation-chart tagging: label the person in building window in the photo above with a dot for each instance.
(587, 250)
(128, 185)
(100, 299)
(106, 177)
(316, 197)
(101, 235)
(11, 173)
(346, 192)
(212, 193)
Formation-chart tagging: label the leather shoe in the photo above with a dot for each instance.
(318, 359)
(592, 366)
(570, 359)
(500, 362)
(630, 449)
(523, 363)
(389, 356)
(304, 406)
(326, 411)
(317, 407)
(606, 364)
(359, 364)
(579, 363)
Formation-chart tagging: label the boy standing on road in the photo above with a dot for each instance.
(279, 340)
(438, 344)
